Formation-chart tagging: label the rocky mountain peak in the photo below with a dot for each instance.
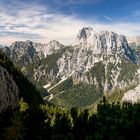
(104, 42)
(31, 51)
(54, 42)
(96, 58)
(17, 45)
(89, 37)
(84, 33)
(52, 47)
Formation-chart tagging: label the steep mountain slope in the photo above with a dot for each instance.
(13, 86)
(33, 57)
(78, 75)
(9, 94)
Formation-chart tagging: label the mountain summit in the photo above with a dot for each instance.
(84, 35)
(104, 42)
(80, 74)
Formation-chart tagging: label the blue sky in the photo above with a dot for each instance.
(45, 20)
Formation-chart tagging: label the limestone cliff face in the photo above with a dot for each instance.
(91, 48)
(29, 52)
(53, 61)
(105, 60)
(9, 94)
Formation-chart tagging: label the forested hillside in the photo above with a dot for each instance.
(110, 122)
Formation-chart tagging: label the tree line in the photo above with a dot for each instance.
(110, 122)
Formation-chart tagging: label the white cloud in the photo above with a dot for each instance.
(40, 25)
(108, 18)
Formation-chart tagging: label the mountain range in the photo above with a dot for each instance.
(96, 64)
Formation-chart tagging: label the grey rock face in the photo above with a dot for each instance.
(28, 52)
(91, 48)
(101, 43)
(77, 60)
(9, 94)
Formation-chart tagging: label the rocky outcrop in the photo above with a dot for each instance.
(132, 96)
(90, 48)
(9, 94)
(29, 52)
(105, 60)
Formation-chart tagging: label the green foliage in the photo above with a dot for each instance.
(109, 73)
(23, 105)
(111, 121)
(128, 70)
(79, 95)
(71, 95)
(51, 60)
(98, 72)
(117, 94)
(65, 85)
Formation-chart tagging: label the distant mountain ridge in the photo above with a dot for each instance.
(95, 64)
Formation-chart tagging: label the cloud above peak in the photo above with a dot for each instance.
(38, 23)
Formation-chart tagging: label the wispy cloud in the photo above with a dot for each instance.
(16, 34)
(36, 22)
(136, 13)
(108, 18)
